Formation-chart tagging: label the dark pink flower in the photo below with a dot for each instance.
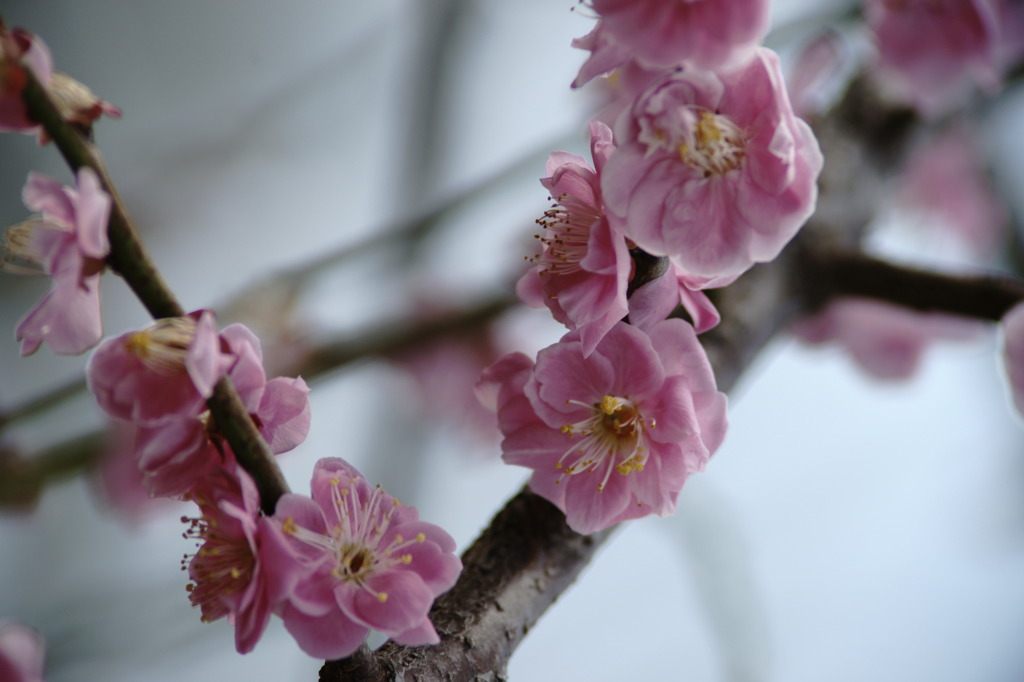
(75, 102)
(931, 52)
(229, 571)
(68, 242)
(375, 564)
(163, 371)
(614, 435)
(1013, 353)
(713, 169)
(583, 268)
(175, 452)
(665, 33)
(885, 340)
(21, 654)
(18, 49)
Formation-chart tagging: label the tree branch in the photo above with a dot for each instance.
(128, 257)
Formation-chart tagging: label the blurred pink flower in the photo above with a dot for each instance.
(229, 570)
(21, 653)
(69, 242)
(166, 370)
(885, 340)
(664, 33)
(75, 102)
(375, 564)
(614, 435)
(1013, 353)
(932, 52)
(17, 47)
(713, 169)
(945, 180)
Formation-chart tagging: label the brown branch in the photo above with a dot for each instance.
(836, 273)
(129, 258)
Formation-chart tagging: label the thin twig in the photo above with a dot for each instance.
(129, 258)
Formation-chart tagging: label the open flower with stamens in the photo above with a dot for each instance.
(614, 435)
(713, 169)
(163, 371)
(375, 564)
(228, 572)
(68, 242)
(582, 270)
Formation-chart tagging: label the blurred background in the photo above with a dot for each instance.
(847, 530)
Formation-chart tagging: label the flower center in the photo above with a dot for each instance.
(611, 439)
(222, 566)
(18, 251)
(567, 231)
(163, 345)
(357, 532)
(714, 145)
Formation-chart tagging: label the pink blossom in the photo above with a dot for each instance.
(665, 33)
(175, 452)
(584, 267)
(75, 102)
(21, 654)
(614, 435)
(713, 169)
(945, 181)
(229, 571)
(375, 564)
(165, 370)
(18, 47)
(885, 340)
(1013, 353)
(68, 242)
(582, 270)
(932, 52)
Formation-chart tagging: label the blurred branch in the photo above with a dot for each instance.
(81, 453)
(23, 479)
(129, 258)
(851, 273)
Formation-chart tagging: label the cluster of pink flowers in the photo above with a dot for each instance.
(705, 170)
(334, 566)
(349, 559)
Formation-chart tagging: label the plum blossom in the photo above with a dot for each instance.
(21, 653)
(664, 33)
(374, 564)
(162, 371)
(68, 242)
(229, 571)
(614, 435)
(583, 270)
(1013, 353)
(75, 102)
(944, 180)
(713, 169)
(176, 441)
(884, 340)
(932, 52)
